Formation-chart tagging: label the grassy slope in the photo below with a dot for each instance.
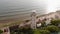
(10, 23)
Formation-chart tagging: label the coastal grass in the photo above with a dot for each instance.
(10, 23)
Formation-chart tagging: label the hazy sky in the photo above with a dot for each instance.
(53, 5)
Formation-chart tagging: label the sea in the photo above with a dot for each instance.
(20, 9)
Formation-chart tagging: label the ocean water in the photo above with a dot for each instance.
(20, 9)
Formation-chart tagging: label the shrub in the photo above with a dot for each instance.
(55, 22)
(27, 20)
(25, 30)
(44, 32)
(1, 31)
(39, 31)
(43, 24)
(36, 31)
(52, 28)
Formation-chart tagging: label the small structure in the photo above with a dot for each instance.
(5, 30)
(33, 19)
(47, 22)
(39, 25)
(58, 25)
